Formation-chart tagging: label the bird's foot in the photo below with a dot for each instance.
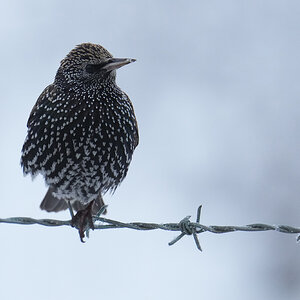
(83, 220)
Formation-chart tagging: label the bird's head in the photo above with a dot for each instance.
(88, 64)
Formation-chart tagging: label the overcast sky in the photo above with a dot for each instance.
(216, 93)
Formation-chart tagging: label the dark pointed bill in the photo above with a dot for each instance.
(116, 63)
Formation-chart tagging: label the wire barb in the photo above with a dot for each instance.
(188, 228)
(185, 226)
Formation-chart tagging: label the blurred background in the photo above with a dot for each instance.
(216, 93)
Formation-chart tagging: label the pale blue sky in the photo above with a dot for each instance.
(216, 93)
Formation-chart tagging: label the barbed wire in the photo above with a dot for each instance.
(185, 226)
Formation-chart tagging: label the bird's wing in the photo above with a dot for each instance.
(47, 94)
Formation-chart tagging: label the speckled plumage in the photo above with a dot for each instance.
(82, 130)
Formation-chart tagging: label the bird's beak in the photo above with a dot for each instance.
(116, 63)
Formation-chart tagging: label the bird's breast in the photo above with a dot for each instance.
(100, 126)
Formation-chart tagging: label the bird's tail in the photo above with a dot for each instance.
(52, 204)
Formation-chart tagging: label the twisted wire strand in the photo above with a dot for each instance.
(185, 226)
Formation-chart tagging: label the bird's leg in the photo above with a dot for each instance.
(83, 220)
(70, 209)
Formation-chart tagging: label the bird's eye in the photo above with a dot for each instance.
(95, 68)
(91, 69)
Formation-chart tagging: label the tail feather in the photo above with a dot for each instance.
(51, 204)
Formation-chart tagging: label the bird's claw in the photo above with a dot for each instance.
(83, 221)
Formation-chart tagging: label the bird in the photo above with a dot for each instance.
(81, 134)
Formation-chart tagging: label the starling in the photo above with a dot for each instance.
(82, 132)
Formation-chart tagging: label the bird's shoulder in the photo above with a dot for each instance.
(49, 94)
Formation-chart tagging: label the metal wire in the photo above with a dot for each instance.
(185, 226)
